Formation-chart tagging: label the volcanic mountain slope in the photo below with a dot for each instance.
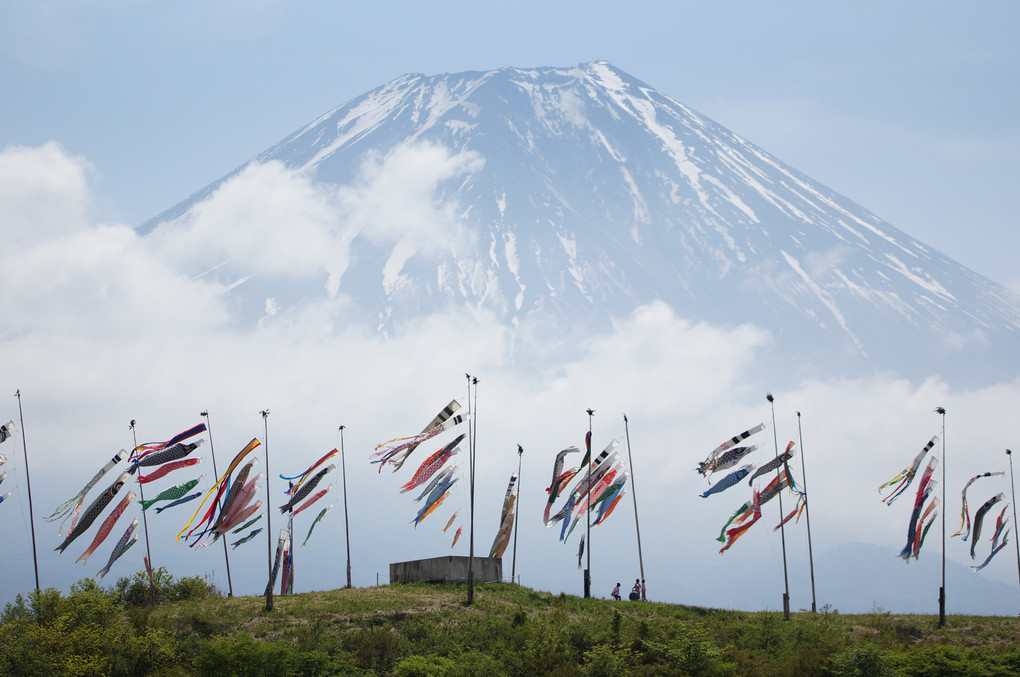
(571, 195)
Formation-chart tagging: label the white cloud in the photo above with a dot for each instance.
(45, 192)
(394, 197)
(269, 220)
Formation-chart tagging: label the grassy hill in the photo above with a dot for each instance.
(422, 629)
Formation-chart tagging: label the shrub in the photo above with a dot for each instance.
(866, 660)
(423, 666)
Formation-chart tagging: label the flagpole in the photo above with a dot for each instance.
(145, 521)
(1012, 487)
(513, 561)
(587, 515)
(269, 511)
(782, 527)
(807, 514)
(28, 479)
(942, 591)
(269, 514)
(289, 583)
(347, 524)
(472, 431)
(212, 452)
(633, 491)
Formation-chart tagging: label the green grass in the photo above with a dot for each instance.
(421, 629)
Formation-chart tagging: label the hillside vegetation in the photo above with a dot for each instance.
(420, 629)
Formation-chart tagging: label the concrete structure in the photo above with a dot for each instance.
(448, 569)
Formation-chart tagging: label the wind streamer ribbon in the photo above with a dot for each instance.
(217, 489)
(71, 508)
(979, 517)
(143, 450)
(906, 476)
(964, 529)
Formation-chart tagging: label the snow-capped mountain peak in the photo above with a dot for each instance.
(572, 195)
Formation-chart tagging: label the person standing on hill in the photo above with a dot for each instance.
(616, 592)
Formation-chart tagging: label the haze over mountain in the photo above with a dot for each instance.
(568, 196)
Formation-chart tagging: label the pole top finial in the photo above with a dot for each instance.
(265, 413)
(1008, 452)
(520, 450)
(204, 413)
(940, 410)
(131, 426)
(768, 396)
(341, 427)
(590, 411)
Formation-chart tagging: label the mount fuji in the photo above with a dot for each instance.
(562, 198)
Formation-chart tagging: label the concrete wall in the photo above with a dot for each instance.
(447, 570)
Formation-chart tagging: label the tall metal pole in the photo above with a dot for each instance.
(633, 491)
(28, 479)
(269, 508)
(288, 584)
(513, 561)
(782, 527)
(1012, 487)
(587, 513)
(472, 432)
(145, 522)
(212, 452)
(347, 524)
(807, 514)
(942, 591)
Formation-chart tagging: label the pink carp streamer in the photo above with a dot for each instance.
(166, 469)
(106, 527)
(432, 464)
(319, 494)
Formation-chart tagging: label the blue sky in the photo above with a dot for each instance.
(910, 110)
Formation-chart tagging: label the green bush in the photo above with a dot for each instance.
(866, 660)
(242, 656)
(423, 666)
(138, 592)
